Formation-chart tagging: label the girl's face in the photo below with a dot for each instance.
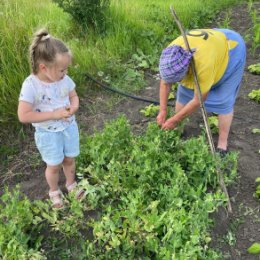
(57, 70)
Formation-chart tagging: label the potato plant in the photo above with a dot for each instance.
(16, 229)
(213, 124)
(257, 192)
(149, 196)
(150, 111)
(154, 200)
(255, 95)
(254, 68)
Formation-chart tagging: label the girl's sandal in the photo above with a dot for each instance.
(56, 199)
(80, 193)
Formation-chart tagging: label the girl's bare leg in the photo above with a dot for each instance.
(52, 176)
(69, 169)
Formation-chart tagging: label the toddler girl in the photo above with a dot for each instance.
(49, 101)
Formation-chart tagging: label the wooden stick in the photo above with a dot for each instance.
(203, 110)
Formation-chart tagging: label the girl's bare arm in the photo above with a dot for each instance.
(27, 115)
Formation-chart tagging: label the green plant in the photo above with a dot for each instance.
(255, 95)
(133, 218)
(139, 219)
(230, 238)
(135, 34)
(142, 61)
(17, 233)
(87, 13)
(225, 23)
(213, 124)
(256, 131)
(257, 192)
(254, 249)
(256, 26)
(7, 151)
(14, 66)
(171, 96)
(254, 68)
(150, 111)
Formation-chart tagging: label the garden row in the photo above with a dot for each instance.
(148, 197)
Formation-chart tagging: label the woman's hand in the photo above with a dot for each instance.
(161, 118)
(171, 123)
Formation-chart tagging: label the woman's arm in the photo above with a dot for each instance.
(164, 94)
(187, 110)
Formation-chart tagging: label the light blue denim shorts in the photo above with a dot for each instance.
(54, 146)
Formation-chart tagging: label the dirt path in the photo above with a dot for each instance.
(232, 234)
(243, 227)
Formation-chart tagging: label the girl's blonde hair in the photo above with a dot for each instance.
(44, 49)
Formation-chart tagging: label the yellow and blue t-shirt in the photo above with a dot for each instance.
(211, 56)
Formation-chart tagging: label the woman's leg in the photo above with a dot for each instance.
(224, 124)
(178, 106)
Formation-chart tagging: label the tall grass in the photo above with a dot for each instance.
(135, 31)
(18, 21)
(254, 13)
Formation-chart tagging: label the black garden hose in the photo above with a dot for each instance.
(155, 102)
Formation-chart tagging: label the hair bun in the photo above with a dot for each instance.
(45, 37)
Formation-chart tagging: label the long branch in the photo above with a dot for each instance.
(203, 110)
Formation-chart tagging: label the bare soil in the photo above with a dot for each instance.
(232, 233)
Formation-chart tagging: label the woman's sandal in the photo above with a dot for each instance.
(80, 193)
(56, 199)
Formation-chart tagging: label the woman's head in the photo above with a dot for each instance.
(50, 55)
(174, 63)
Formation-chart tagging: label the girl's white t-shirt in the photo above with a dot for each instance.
(46, 97)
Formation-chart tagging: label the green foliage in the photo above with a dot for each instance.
(135, 34)
(141, 60)
(151, 196)
(256, 131)
(255, 95)
(254, 249)
(256, 26)
(86, 13)
(254, 68)
(225, 23)
(18, 21)
(213, 124)
(16, 233)
(171, 96)
(150, 111)
(257, 192)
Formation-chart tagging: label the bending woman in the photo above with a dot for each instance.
(219, 56)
